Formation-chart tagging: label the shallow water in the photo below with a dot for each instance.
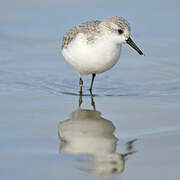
(134, 130)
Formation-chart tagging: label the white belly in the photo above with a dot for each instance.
(91, 58)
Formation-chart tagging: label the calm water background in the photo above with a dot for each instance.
(140, 96)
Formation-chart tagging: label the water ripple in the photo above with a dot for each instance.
(53, 85)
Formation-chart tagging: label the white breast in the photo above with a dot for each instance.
(94, 57)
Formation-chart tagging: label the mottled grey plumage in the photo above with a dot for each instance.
(90, 29)
(119, 21)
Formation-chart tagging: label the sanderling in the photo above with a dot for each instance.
(94, 47)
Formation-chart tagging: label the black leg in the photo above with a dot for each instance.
(80, 99)
(81, 85)
(92, 101)
(93, 76)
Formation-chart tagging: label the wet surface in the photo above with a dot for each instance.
(132, 130)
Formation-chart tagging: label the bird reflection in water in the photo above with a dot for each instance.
(86, 132)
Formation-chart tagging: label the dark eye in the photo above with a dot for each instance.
(120, 31)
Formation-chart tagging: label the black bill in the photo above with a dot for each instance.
(133, 45)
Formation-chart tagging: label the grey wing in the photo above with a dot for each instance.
(86, 28)
(69, 36)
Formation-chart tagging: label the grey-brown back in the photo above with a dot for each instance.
(89, 28)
